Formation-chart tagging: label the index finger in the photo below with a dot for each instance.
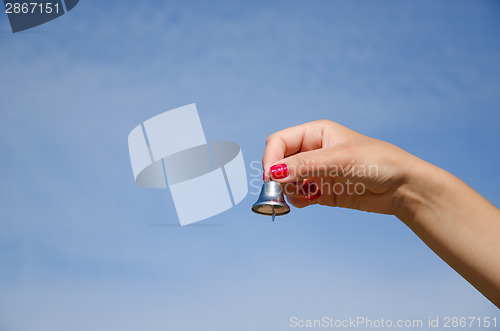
(290, 141)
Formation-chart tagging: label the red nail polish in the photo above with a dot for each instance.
(314, 196)
(279, 171)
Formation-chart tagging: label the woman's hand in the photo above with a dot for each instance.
(323, 162)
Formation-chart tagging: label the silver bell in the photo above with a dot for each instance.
(271, 200)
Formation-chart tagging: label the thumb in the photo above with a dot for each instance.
(302, 165)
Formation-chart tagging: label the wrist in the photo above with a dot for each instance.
(423, 190)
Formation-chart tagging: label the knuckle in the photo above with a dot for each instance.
(270, 138)
(301, 165)
(323, 121)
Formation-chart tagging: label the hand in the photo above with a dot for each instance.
(325, 163)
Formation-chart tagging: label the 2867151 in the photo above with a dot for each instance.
(31, 8)
(469, 322)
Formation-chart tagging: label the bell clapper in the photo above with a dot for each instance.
(274, 214)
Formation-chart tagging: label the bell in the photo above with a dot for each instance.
(271, 200)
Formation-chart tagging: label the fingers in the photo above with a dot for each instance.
(303, 200)
(305, 137)
(305, 194)
(308, 189)
(299, 202)
(317, 163)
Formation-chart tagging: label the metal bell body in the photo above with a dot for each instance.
(271, 200)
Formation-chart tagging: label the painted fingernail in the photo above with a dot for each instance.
(314, 196)
(314, 192)
(279, 171)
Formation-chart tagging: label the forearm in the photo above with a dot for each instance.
(456, 222)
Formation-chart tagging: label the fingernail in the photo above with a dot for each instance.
(279, 171)
(314, 196)
(311, 191)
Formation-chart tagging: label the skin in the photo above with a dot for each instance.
(456, 222)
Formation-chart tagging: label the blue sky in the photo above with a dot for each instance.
(82, 247)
